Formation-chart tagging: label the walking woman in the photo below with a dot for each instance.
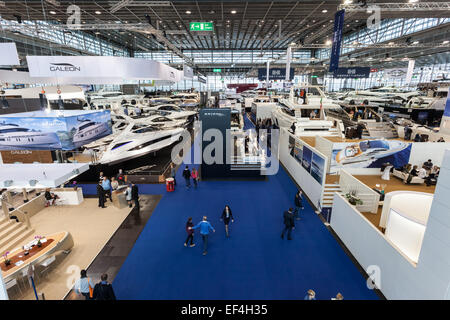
(190, 233)
(194, 175)
(128, 195)
(84, 285)
(226, 217)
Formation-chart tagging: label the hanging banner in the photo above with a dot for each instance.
(267, 71)
(288, 63)
(445, 122)
(395, 73)
(337, 39)
(8, 54)
(100, 69)
(275, 74)
(410, 71)
(355, 72)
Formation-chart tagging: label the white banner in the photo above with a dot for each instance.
(267, 72)
(410, 71)
(188, 72)
(395, 73)
(288, 62)
(8, 54)
(99, 69)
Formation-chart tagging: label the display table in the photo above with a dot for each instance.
(118, 197)
(55, 242)
(68, 196)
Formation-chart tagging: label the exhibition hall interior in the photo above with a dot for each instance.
(224, 150)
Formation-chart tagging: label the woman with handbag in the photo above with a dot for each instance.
(84, 285)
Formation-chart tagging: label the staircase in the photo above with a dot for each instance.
(381, 130)
(12, 234)
(328, 194)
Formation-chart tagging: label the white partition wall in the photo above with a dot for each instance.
(325, 146)
(401, 278)
(302, 177)
(369, 197)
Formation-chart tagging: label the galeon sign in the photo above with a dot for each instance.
(63, 67)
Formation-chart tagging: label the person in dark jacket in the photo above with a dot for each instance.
(190, 233)
(289, 223)
(413, 173)
(293, 127)
(101, 195)
(226, 217)
(103, 290)
(359, 130)
(135, 195)
(298, 204)
(187, 177)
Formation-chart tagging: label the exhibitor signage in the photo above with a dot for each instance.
(275, 74)
(354, 73)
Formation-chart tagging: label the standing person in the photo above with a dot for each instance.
(257, 126)
(205, 229)
(310, 295)
(187, 177)
(298, 204)
(173, 173)
(293, 127)
(190, 233)
(194, 175)
(120, 177)
(135, 195)
(100, 177)
(128, 195)
(289, 223)
(106, 184)
(226, 217)
(104, 290)
(101, 195)
(84, 285)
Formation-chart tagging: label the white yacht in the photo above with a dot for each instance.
(308, 113)
(88, 130)
(172, 111)
(137, 141)
(14, 136)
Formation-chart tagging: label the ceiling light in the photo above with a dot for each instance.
(98, 12)
(445, 42)
(356, 20)
(188, 12)
(328, 42)
(324, 11)
(391, 43)
(415, 42)
(292, 43)
(52, 12)
(412, 1)
(348, 1)
(233, 11)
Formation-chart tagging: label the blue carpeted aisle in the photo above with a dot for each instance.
(255, 263)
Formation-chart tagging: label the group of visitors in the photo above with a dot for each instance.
(105, 188)
(291, 215)
(311, 295)
(188, 174)
(428, 172)
(206, 228)
(100, 291)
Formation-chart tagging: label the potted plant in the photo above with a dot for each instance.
(39, 243)
(353, 199)
(7, 261)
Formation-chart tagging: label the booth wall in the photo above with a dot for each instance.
(325, 147)
(303, 178)
(401, 279)
(422, 151)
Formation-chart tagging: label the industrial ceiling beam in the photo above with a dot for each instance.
(398, 7)
(376, 46)
(131, 3)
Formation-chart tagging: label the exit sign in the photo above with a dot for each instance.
(201, 26)
(217, 70)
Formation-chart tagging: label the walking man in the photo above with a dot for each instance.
(101, 195)
(205, 229)
(135, 195)
(298, 204)
(187, 177)
(289, 223)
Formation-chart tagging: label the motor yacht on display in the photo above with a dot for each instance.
(138, 140)
(301, 111)
(172, 111)
(13, 136)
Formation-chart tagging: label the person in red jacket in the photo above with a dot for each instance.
(190, 233)
(194, 176)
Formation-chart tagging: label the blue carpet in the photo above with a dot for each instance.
(255, 263)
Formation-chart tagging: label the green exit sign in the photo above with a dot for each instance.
(217, 70)
(201, 26)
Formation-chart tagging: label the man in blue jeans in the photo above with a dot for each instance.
(298, 204)
(205, 228)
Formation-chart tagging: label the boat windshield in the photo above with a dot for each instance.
(14, 130)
